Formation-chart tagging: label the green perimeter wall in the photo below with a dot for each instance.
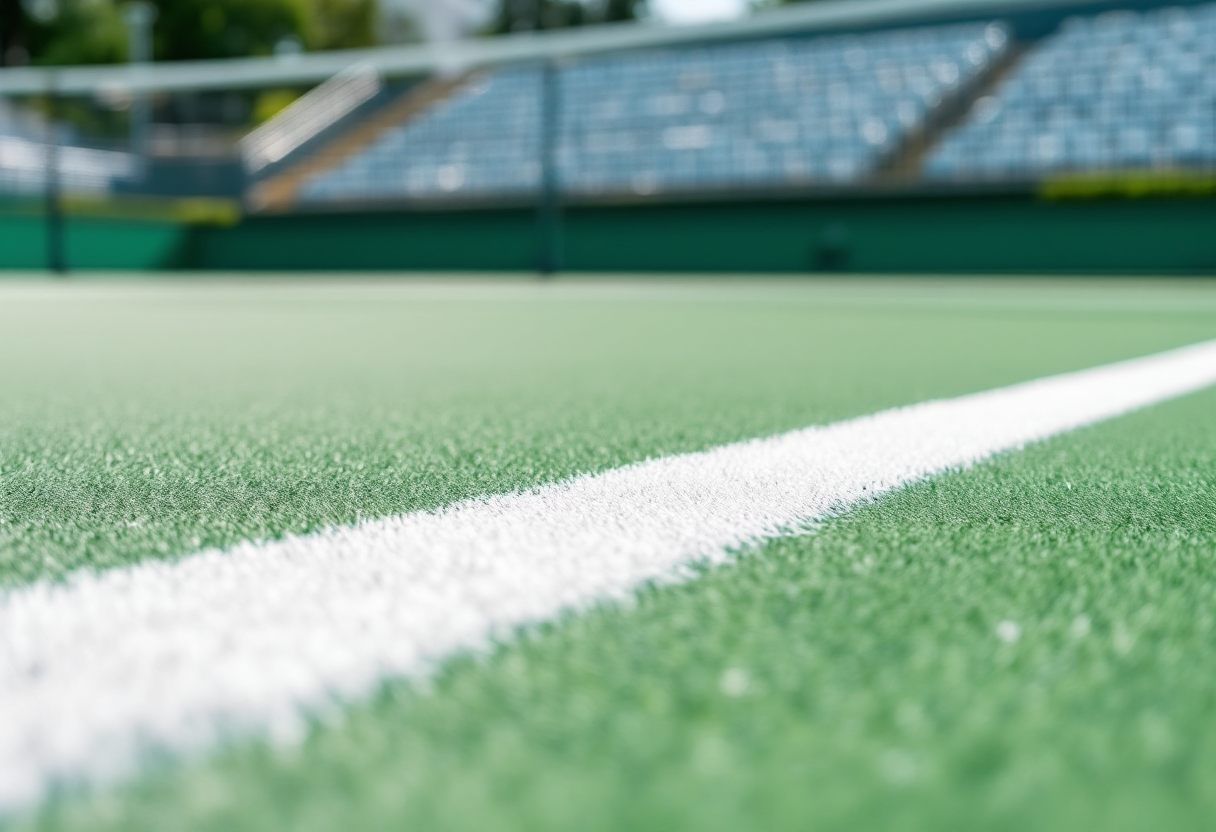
(94, 243)
(891, 234)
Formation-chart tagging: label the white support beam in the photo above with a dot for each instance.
(427, 59)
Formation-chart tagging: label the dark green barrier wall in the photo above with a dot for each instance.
(482, 240)
(975, 234)
(22, 242)
(923, 235)
(955, 234)
(92, 243)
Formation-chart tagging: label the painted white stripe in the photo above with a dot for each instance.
(934, 294)
(176, 656)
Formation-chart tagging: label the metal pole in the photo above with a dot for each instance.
(56, 261)
(549, 209)
(139, 18)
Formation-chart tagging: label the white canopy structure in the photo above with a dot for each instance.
(462, 55)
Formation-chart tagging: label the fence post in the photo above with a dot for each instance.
(139, 18)
(549, 209)
(56, 260)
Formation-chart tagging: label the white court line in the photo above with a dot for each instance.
(177, 656)
(928, 293)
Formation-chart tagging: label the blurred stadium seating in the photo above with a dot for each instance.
(1117, 90)
(1123, 90)
(772, 112)
(24, 152)
(842, 135)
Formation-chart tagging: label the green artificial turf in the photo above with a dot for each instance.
(851, 679)
(142, 421)
(854, 679)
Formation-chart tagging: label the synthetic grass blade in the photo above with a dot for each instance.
(175, 655)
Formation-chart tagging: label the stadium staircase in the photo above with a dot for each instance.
(906, 163)
(279, 192)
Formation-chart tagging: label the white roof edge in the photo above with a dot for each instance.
(469, 54)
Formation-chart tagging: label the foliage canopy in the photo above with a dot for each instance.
(61, 32)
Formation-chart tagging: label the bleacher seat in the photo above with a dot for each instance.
(1122, 90)
(23, 157)
(753, 114)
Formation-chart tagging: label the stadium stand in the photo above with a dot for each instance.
(751, 114)
(841, 136)
(24, 152)
(1122, 90)
(1119, 90)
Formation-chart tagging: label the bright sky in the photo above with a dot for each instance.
(447, 19)
(697, 11)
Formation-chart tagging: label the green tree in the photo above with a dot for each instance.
(340, 24)
(240, 28)
(73, 32)
(59, 32)
(193, 29)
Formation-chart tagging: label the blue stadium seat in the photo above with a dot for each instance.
(1121, 90)
(757, 114)
(23, 157)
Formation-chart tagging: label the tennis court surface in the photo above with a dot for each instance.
(470, 554)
